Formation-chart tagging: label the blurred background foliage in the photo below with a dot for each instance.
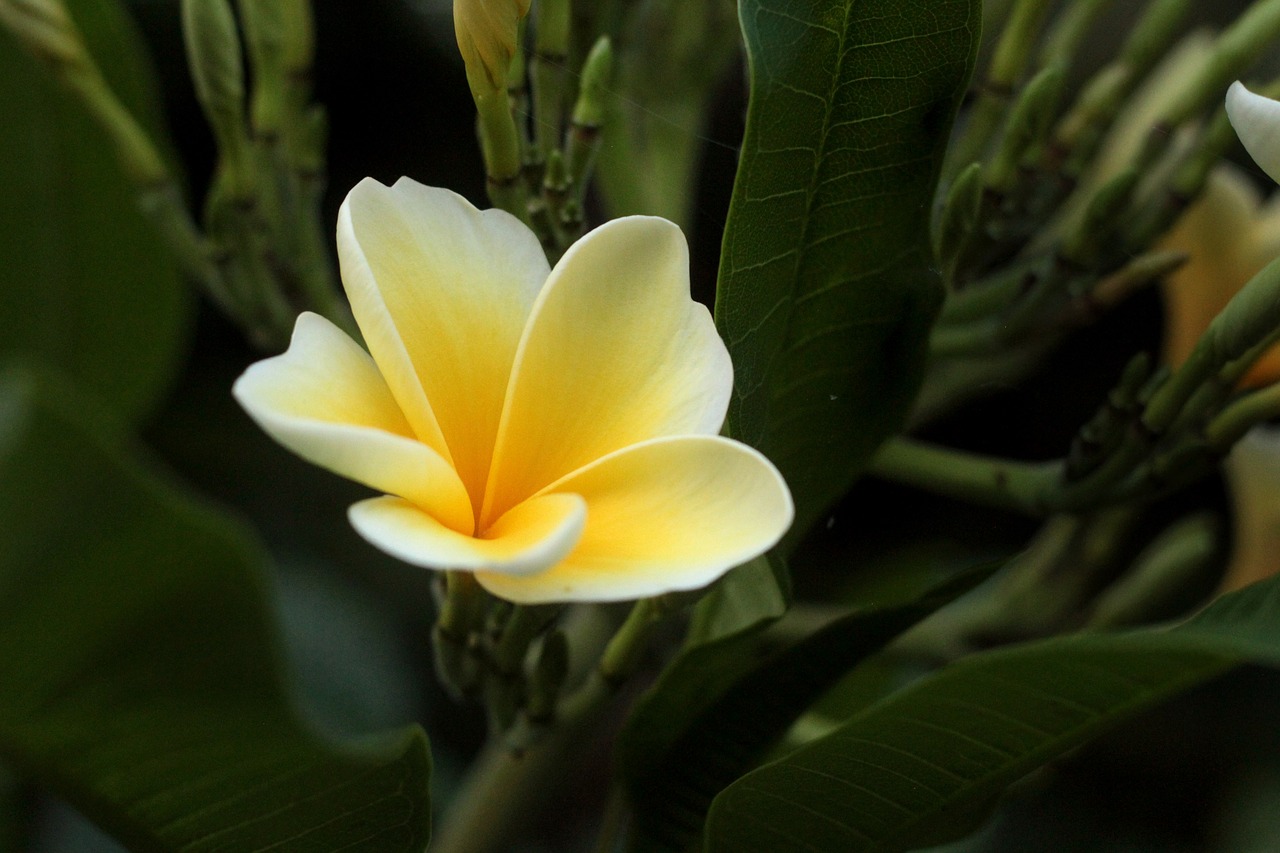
(1201, 774)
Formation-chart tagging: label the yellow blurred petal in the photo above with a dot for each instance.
(663, 515)
(1253, 473)
(1263, 245)
(1257, 123)
(325, 400)
(1215, 232)
(616, 352)
(441, 291)
(533, 536)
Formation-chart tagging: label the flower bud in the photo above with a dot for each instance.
(213, 48)
(213, 52)
(487, 32)
(44, 28)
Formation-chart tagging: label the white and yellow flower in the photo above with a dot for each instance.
(553, 431)
(1229, 235)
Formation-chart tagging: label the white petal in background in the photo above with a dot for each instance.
(1257, 123)
(1253, 472)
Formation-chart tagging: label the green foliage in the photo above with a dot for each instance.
(923, 765)
(140, 669)
(87, 287)
(715, 710)
(826, 289)
(671, 55)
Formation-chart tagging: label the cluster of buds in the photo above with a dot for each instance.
(1056, 206)
(518, 658)
(538, 154)
(261, 254)
(262, 214)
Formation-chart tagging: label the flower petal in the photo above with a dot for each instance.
(616, 352)
(1215, 234)
(1257, 123)
(1253, 474)
(663, 515)
(441, 291)
(324, 399)
(529, 539)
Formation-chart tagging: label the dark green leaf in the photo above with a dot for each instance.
(826, 289)
(87, 287)
(139, 670)
(748, 598)
(920, 766)
(715, 711)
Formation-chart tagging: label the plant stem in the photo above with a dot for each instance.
(1025, 487)
(506, 784)
(502, 789)
(614, 824)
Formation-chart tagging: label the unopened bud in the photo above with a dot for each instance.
(487, 33)
(44, 28)
(1028, 124)
(213, 52)
(264, 33)
(549, 672)
(959, 215)
(213, 49)
(1101, 216)
(589, 115)
(597, 71)
(297, 28)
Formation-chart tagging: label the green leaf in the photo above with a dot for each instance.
(921, 766)
(748, 598)
(715, 712)
(87, 287)
(826, 289)
(139, 666)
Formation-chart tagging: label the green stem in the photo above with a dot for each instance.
(1025, 487)
(503, 789)
(614, 825)
(1007, 64)
(1241, 416)
(507, 784)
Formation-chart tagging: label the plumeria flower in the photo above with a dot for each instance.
(553, 431)
(1253, 468)
(1229, 235)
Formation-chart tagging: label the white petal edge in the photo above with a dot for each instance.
(663, 515)
(530, 539)
(325, 400)
(1256, 120)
